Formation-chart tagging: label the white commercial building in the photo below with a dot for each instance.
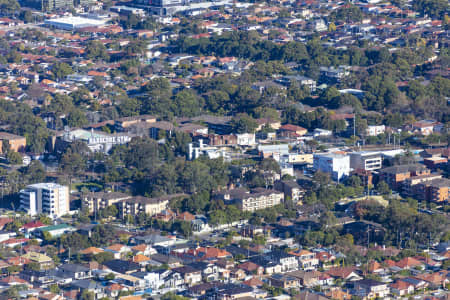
(96, 141)
(318, 132)
(337, 165)
(74, 23)
(47, 198)
(367, 161)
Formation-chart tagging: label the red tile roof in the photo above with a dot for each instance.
(253, 282)
(408, 262)
(33, 224)
(290, 127)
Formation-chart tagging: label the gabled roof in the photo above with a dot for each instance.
(87, 284)
(140, 258)
(301, 252)
(369, 282)
(165, 259)
(233, 289)
(390, 263)
(18, 261)
(153, 239)
(91, 250)
(433, 278)
(140, 247)
(210, 252)
(121, 266)
(116, 247)
(185, 270)
(13, 279)
(186, 216)
(114, 287)
(33, 224)
(374, 266)
(408, 262)
(253, 282)
(74, 268)
(401, 285)
(37, 257)
(290, 127)
(248, 266)
(324, 256)
(341, 272)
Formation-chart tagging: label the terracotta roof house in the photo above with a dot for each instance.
(375, 267)
(292, 131)
(338, 294)
(116, 247)
(253, 282)
(118, 250)
(437, 279)
(251, 267)
(33, 225)
(91, 250)
(208, 253)
(325, 257)
(143, 249)
(114, 289)
(408, 263)
(186, 216)
(390, 263)
(401, 288)
(13, 280)
(141, 259)
(18, 261)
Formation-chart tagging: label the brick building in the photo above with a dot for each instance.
(16, 143)
(434, 190)
(396, 175)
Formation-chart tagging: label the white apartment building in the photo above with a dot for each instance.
(374, 130)
(246, 139)
(367, 161)
(337, 165)
(48, 198)
(253, 200)
(260, 200)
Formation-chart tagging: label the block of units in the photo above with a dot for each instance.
(48, 198)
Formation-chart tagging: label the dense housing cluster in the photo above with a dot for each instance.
(181, 149)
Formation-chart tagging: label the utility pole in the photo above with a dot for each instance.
(354, 129)
(368, 236)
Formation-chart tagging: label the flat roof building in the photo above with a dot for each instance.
(337, 165)
(47, 198)
(74, 23)
(367, 161)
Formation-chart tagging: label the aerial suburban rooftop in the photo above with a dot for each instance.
(181, 149)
